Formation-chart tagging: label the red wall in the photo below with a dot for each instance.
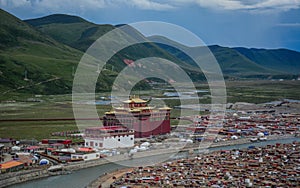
(143, 127)
(146, 128)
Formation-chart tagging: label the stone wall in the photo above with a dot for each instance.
(22, 176)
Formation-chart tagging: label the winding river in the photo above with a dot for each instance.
(81, 178)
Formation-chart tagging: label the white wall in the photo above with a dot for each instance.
(97, 142)
(111, 142)
(86, 157)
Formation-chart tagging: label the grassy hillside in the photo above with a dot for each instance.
(39, 56)
(80, 34)
(24, 50)
(279, 59)
(71, 30)
(232, 63)
(32, 62)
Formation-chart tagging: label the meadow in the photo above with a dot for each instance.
(60, 106)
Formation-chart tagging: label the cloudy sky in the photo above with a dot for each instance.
(247, 23)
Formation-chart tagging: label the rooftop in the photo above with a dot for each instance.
(10, 164)
(108, 128)
(135, 100)
(85, 149)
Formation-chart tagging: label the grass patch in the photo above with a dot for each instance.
(60, 106)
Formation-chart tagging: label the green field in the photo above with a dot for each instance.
(261, 91)
(60, 106)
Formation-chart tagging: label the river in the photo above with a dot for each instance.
(81, 178)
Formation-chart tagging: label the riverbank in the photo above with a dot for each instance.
(271, 165)
(20, 177)
(193, 148)
(106, 179)
(26, 175)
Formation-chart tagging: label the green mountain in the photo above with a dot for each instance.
(232, 63)
(35, 62)
(70, 30)
(279, 59)
(32, 62)
(81, 34)
(39, 56)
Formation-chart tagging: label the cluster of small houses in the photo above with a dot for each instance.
(107, 141)
(70, 134)
(271, 123)
(15, 156)
(270, 166)
(255, 126)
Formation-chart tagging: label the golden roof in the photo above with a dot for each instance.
(165, 108)
(145, 108)
(110, 112)
(135, 100)
(135, 110)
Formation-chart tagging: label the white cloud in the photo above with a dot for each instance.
(69, 5)
(54, 6)
(253, 5)
(162, 5)
(14, 3)
(150, 5)
(221, 4)
(83, 5)
(288, 25)
(278, 5)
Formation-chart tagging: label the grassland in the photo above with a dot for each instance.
(261, 91)
(60, 106)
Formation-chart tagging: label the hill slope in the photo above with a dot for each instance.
(279, 59)
(232, 63)
(71, 30)
(32, 62)
(24, 50)
(80, 34)
(40, 58)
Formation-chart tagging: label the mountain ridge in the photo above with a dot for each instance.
(73, 30)
(273, 58)
(51, 47)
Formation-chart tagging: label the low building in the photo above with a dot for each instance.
(109, 137)
(85, 153)
(33, 149)
(85, 156)
(26, 158)
(11, 166)
(57, 141)
(7, 142)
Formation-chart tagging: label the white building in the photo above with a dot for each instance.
(85, 156)
(109, 137)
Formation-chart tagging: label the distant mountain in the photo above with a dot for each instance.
(232, 63)
(279, 59)
(81, 34)
(70, 30)
(39, 56)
